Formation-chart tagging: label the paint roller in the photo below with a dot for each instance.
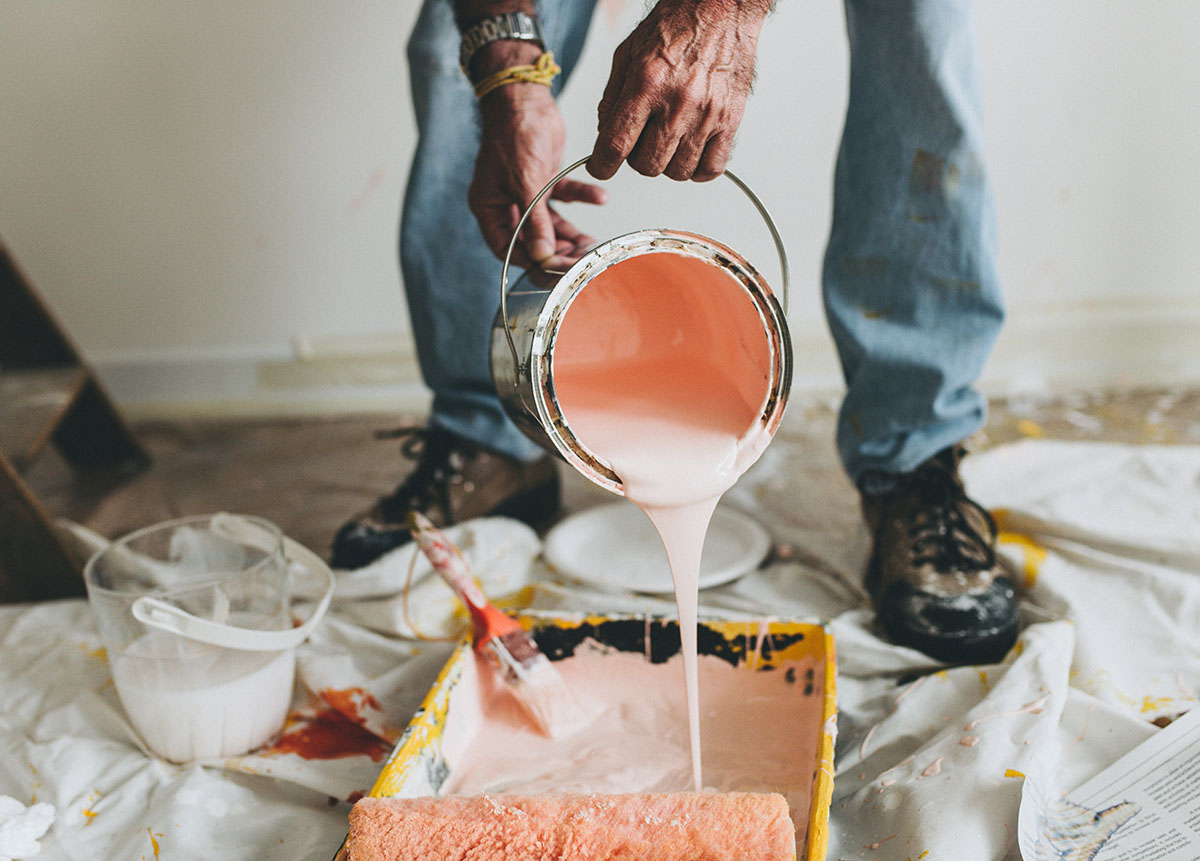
(667, 826)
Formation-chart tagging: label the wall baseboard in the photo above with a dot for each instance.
(372, 374)
(1120, 345)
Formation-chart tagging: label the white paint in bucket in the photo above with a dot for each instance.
(209, 704)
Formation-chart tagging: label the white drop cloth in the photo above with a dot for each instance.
(1106, 538)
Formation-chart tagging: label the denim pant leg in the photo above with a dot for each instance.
(451, 279)
(910, 285)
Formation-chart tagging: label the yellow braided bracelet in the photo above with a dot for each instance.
(543, 72)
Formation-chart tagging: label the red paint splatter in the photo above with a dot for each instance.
(354, 797)
(330, 735)
(336, 731)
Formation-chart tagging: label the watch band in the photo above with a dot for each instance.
(510, 25)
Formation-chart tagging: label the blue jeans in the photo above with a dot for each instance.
(910, 285)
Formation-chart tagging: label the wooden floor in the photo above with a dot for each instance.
(309, 475)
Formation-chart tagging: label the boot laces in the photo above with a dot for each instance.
(943, 534)
(438, 466)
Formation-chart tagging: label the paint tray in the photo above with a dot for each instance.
(799, 654)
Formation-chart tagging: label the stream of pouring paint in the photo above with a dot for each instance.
(661, 368)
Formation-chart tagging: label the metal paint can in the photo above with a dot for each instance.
(525, 330)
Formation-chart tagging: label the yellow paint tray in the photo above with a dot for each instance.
(424, 756)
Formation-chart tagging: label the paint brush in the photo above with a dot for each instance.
(530, 675)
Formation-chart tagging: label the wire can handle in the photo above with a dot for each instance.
(758, 205)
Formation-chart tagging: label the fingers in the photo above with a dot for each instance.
(570, 245)
(716, 156)
(547, 238)
(551, 241)
(493, 218)
(654, 148)
(623, 113)
(685, 140)
(688, 152)
(613, 86)
(676, 92)
(574, 191)
(616, 140)
(570, 237)
(538, 235)
(685, 161)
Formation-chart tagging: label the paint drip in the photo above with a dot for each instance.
(662, 369)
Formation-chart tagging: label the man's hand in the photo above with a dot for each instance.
(521, 150)
(678, 88)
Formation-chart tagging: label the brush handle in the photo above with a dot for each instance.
(448, 562)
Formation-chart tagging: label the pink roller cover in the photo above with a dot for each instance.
(637, 827)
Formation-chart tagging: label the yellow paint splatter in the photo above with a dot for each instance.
(1153, 704)
(154, 842)
(518, 600)
(1028, 427)
(88, 813)
(1033, 554)
(922, 855)
(1156, 432)
(983, 680)
(941, 674)
(99, 653)
(1012, 772)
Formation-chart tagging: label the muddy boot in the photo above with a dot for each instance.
(933, 575)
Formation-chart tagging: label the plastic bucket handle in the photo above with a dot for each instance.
(165, 616)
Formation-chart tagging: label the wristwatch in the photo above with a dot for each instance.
(510, 25)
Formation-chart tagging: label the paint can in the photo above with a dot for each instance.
(525, 333)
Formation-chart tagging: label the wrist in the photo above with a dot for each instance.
(717, 13)
(503, 54)
(502, 103)
(731, 8)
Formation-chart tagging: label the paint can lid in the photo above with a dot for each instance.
(614, 546)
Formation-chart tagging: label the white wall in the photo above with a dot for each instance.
(207, 193)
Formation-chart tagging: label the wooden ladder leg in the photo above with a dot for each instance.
(28, 545)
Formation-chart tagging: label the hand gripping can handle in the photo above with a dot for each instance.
(524, 330)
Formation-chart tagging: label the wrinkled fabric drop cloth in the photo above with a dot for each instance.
(1105, 539)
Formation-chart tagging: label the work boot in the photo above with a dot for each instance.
(453, 480)
(933, 575)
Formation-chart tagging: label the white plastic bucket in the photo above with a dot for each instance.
(195, 615)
